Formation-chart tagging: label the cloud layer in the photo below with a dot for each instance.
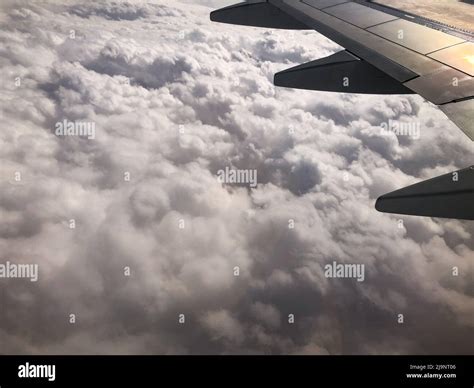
(174, 99)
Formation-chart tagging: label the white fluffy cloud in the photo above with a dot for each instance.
(175, 98)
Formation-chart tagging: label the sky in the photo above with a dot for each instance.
(141, 249)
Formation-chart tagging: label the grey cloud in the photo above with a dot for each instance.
(117, 11)
(174, 99)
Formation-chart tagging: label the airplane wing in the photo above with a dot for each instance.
(387, 51)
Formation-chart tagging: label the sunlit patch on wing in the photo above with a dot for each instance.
(470, 59)
(460, 57)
